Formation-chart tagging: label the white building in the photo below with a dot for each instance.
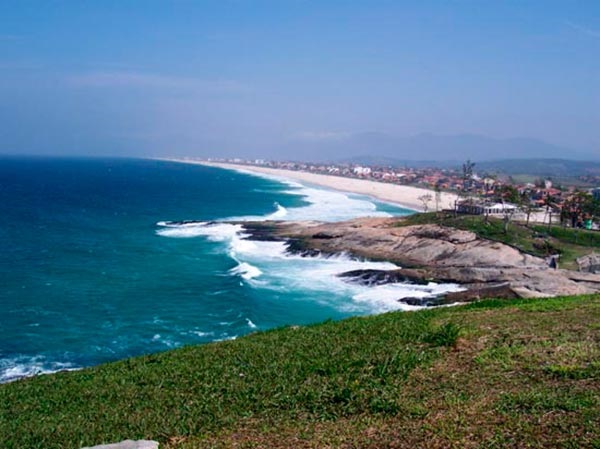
(474, 208)
(362, 171)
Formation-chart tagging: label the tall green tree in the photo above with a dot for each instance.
(467, 174)
(526, 205)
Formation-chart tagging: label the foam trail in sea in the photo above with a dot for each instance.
(324, 204)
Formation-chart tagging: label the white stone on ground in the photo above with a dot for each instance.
(128, 444)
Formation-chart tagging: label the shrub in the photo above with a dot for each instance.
(445, 335)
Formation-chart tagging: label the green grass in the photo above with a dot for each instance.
(536, 240)
(568, 235)
(492, 374)
(445, 335)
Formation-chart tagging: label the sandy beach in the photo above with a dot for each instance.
(405, 196)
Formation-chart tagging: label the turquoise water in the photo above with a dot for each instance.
(90, 272)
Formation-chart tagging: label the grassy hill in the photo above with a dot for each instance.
(520, 373)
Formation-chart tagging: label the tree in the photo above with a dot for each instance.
(510, 194)
(549, 203)
(425, 199)
(438, 197)
(578, 208)
(595, 208)
(508, 214)
(467, 181)
(467, 177)
(526, 204)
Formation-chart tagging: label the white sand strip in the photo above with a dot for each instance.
(405, 196)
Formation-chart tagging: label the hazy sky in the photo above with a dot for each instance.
(244, 77)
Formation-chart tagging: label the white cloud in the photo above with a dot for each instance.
(10, 37)
(585, 30)
(108, 79)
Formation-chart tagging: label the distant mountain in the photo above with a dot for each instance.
(382, 161)
(534, 167)
(426, 147)
(541, 167)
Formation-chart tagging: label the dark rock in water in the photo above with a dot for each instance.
(298, 247)
(431, 301)
(325, 236)
(261, 231)
(502, 290)
(188, 222)
(473, 293)
(306, 253)
(381, 277)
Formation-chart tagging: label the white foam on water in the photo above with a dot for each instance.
(202, 334)
(179, 225)
(167, 342)
(214, 231)
(267, 265)
(330, 205)
(251, 325)
(246, 271)
(324, 204)
(385, 297)
(280, 213)
(318, 278)
(23, 366)
(233, 337)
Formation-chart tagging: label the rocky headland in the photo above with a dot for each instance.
(430, 253)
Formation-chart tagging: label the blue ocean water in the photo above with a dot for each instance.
(90, 270)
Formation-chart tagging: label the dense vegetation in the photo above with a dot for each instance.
(492, 374)
(538, 240)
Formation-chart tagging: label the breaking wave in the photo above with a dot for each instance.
(25, 366)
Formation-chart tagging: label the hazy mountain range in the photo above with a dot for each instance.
(533, 166)
(379, 147)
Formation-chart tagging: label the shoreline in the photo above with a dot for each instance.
(404, 196)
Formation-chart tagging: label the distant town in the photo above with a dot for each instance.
(478, 193)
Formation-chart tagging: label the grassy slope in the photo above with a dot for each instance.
(537, 240)
(521, 374)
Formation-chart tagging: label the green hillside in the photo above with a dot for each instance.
(492, 374)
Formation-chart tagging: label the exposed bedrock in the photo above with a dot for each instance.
(430, 253)
(589, 263)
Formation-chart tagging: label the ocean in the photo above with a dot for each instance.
(92, 270)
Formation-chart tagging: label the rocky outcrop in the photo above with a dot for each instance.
(431, 253)
(589, 263)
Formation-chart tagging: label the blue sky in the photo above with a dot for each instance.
(248, 77)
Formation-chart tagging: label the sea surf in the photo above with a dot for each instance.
(104, 259)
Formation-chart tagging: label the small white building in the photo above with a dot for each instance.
(362, 171)
(499, 208)
(476, 208)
